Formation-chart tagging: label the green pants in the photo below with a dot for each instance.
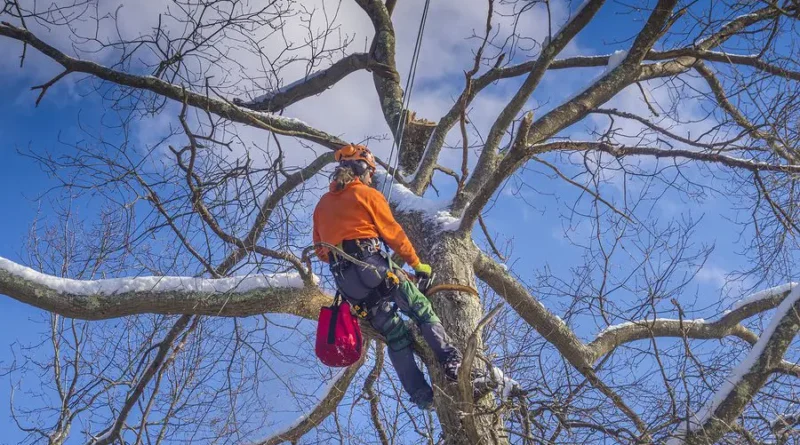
(357, 284)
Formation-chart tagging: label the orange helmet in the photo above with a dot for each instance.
(355, 152)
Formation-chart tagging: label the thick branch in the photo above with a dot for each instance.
(329, 402)
(488, 159)
(736, 392)
(609, 340)
(277, 124)
(104, 299)
(316, 83)
(383, 52)
(551, 327)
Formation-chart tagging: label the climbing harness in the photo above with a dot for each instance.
(398, 139)
(368, 247)
(306, 257)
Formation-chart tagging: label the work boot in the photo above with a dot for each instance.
(423, 398)
(451, 368)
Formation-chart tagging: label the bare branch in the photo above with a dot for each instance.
(277, 124)
(44, 87)
(551, 327)
(738, 117)
(326, 406)
(112, 434)
(659, 153)
(271, 202)
(316, 83)
(489, 238)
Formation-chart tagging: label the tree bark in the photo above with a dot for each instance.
(452, 258)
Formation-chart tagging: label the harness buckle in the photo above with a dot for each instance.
(360, 310)
(391, 277)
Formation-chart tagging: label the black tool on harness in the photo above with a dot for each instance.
(424, 282)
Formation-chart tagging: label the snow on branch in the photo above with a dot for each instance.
(744, 381)
(404, 200)
(613, 336)
(117, 297)
(504, 384)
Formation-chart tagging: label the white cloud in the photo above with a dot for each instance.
(713, 275)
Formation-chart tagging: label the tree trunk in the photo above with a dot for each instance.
(452, 259)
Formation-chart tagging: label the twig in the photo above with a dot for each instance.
(644, 96)
(582, 187)
(45, 86)
(489, 238)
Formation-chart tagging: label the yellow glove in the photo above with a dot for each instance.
(422, 269)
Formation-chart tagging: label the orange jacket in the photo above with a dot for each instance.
(356, 212)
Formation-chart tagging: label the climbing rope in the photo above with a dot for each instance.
(397, 141)
(453, 288)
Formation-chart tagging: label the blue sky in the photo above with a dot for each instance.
(536, 232)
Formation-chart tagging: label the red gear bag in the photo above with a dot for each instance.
(339, 339)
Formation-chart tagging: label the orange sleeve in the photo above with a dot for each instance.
(389, 229)
(322, 252)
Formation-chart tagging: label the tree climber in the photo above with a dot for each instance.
(356, 217)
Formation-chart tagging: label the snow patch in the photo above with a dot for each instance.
(615, 59)
(236, 284)
(406, 201)
(410, 177)
(278, 118)
(505, 384)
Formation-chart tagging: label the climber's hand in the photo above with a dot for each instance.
(423, 270)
